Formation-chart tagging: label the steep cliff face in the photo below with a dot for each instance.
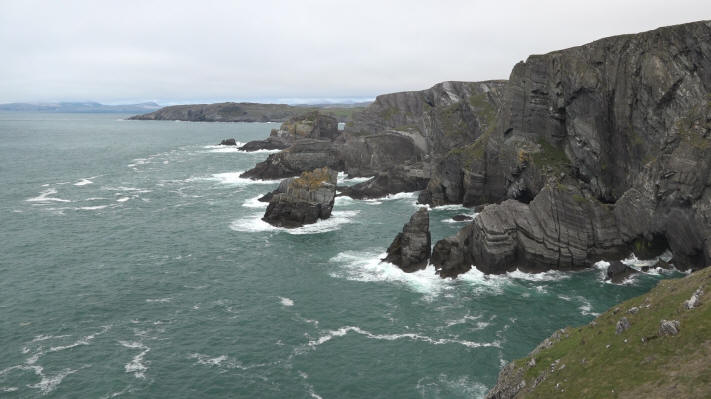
(445, 116)
(410, 130)
(624, 120)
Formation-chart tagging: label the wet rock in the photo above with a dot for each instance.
(410, 250)
(303, 200)
(514, 234)
(395, 180)
(268, 144)
(668, 327)
(617, 272)
(228, 142)
(461, 218)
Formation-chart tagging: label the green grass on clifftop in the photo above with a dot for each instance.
(594, 361)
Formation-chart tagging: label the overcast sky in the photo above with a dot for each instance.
(188, 51)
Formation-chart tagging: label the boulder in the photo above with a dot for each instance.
(228, 142)
(461, 218)
(668, 327)
(622, 325)
(617, 272)
(410, 250)
(303, 200)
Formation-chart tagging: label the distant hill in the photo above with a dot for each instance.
(247, 112)
(80, 107)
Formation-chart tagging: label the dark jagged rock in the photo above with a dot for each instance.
(394, 181)
(303, 200)
(304, 155)
(410, 250)
(267, 144)
(617, 272)
(312, 125)
(462, 218)
(228, 142)
(625, 120)
(562, 228)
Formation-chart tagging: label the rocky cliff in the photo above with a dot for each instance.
(398, 137)
(600, 149)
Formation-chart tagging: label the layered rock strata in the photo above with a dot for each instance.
(303, 200)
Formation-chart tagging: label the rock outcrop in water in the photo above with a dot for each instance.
(312, 125)
(228, 142)
(303, 200)
(410, 250)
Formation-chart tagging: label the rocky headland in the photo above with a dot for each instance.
(243, 112)
(584, 154)
(302, 200)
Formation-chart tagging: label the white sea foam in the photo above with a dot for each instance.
(443, 386)
(92, 208)
(636, 264)
(122, 199)
(344, 179)
(84, 182)
(45, 197)
(50, 383)
(254, 203)
(159, 300)
(232, 179)
(368, 267)
(207, 360)
(329, 335)
(551, 275)
(218, 361)
(254, 223)
(286, 301)
(137, 365)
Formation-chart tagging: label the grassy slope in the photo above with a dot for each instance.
(669, 366)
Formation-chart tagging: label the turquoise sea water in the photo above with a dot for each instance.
(133, 264)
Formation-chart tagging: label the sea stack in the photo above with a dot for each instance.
(303, 200)
(410, 250)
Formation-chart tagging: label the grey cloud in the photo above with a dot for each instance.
(174, 51)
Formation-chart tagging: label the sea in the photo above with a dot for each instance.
(134, 264)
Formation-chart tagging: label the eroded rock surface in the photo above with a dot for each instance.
(303, 200)
(410, 250)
